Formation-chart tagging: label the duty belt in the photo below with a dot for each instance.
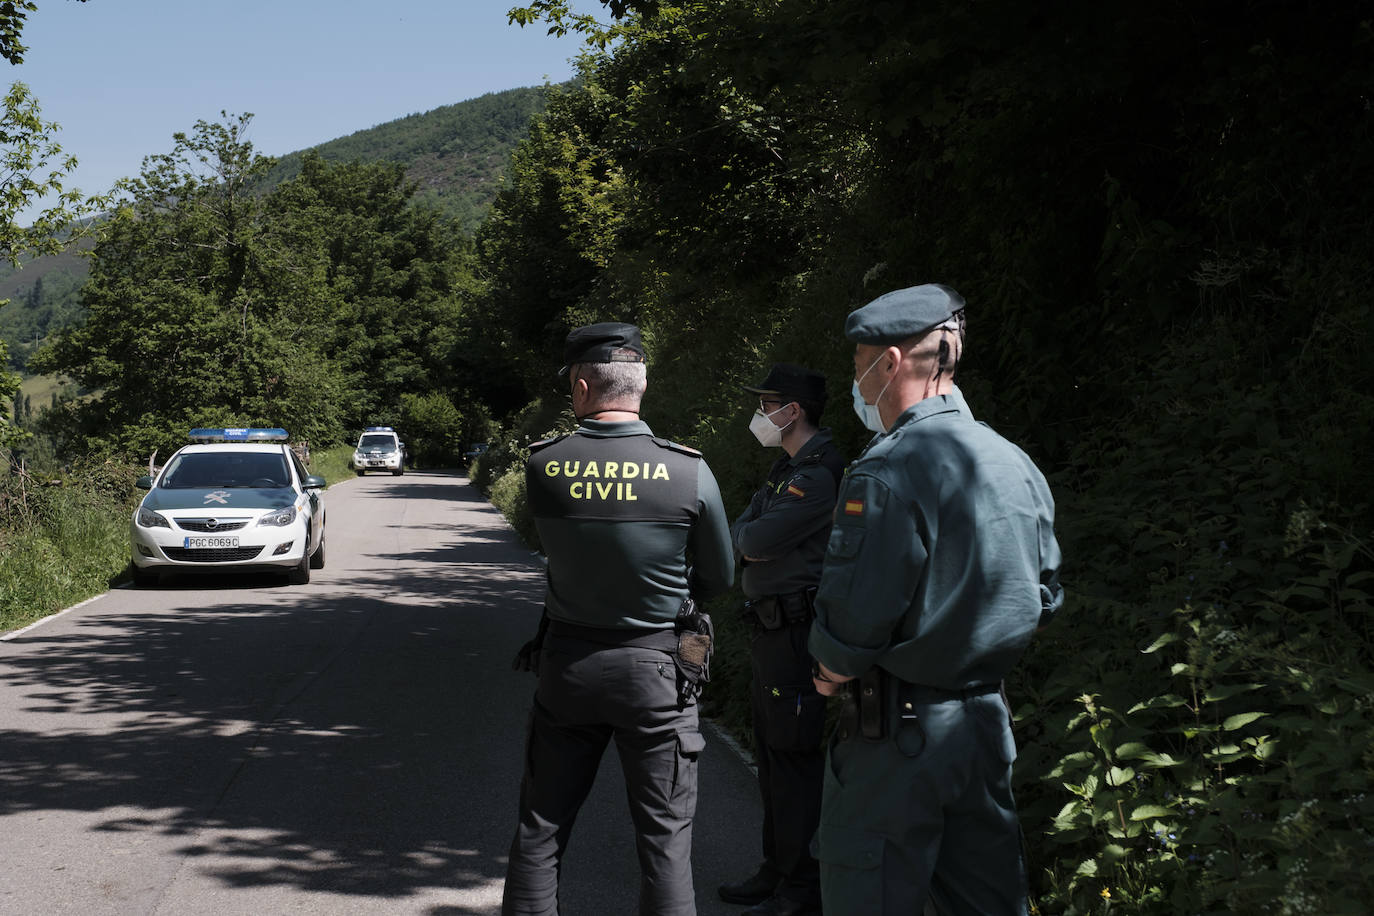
(873, 700)
(642, 638)
(776, 611)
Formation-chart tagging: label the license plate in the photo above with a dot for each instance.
(211, 542)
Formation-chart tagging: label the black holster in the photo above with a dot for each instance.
(863, 709)
(527, 659)
(777, 611)
(695, 641)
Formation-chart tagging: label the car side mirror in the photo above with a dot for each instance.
(144, 483)
(315, 482)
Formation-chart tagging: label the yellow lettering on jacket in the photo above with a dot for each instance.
(661, 472)
(551, 469)
(619, 491)
(591, 470)
(611, 468)
(629, 470)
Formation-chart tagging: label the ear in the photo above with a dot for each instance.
(894, 354)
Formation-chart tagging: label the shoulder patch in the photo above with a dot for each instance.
(544, 443)
(676, 446)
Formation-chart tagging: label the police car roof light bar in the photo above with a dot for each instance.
(274, 434)
(379, 429)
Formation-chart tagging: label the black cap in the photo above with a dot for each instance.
(791, 383)
(903, 313)
(607, 342)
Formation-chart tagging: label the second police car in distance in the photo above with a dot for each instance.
(380, 449)
(233, 499)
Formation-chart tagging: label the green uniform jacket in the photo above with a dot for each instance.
(622, 515)
(943, 560)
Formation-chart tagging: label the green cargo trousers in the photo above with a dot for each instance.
(925, 813)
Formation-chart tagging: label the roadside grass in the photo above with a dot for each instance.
(74, 551)
(332, 463)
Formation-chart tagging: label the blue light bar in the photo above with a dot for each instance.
(274, 434)
(379, 429)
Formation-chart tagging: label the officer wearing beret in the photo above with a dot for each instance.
(780, 540)
(621, 514)
(941, 565)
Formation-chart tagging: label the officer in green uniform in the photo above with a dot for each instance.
(621, 515)
(941, 565)
(780, 540)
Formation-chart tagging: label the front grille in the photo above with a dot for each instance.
(203, 524)
(212, 554)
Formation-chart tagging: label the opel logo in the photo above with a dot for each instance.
(212, 523)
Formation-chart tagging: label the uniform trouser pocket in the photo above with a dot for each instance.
(791, 717)
(788, 713)
(851, 870)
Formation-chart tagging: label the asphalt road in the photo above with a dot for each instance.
(241, 746)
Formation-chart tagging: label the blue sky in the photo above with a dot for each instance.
(121, 76)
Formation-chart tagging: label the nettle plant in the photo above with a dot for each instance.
(1242, 783)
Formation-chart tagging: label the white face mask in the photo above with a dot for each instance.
(868, 413)
(769, 436)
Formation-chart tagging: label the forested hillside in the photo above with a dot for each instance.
(456, 155)
(1158, 218)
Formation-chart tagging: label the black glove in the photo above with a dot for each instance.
(527, 659)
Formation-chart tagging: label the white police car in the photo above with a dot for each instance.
(380, 449)
(233, 499)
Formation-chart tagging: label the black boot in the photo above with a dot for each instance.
(756, 888)
(778, 905)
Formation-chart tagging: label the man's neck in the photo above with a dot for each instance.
(910, 393)
(611, 415)
(797, 435)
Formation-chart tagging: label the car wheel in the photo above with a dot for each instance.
(361, 472)
(399, 471)
(317, 558)
(143, 578)
(300, 573)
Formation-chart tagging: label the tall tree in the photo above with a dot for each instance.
(32, 167)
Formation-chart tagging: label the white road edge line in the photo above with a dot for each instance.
(38, 623)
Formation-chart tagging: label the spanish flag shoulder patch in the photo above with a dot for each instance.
(853, 507)
(795, 490)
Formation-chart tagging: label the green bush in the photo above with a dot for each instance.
(508, 495)
(433, 429)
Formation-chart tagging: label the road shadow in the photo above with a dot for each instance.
(362, 738)
(362, 735)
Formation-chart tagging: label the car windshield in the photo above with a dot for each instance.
(377, 441)
(202, 470)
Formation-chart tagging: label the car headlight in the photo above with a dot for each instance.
(279, 519)
(147, 518)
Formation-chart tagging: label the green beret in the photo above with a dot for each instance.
(903, 313)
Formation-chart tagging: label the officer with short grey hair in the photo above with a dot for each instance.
(621, 514)
(941, 565)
